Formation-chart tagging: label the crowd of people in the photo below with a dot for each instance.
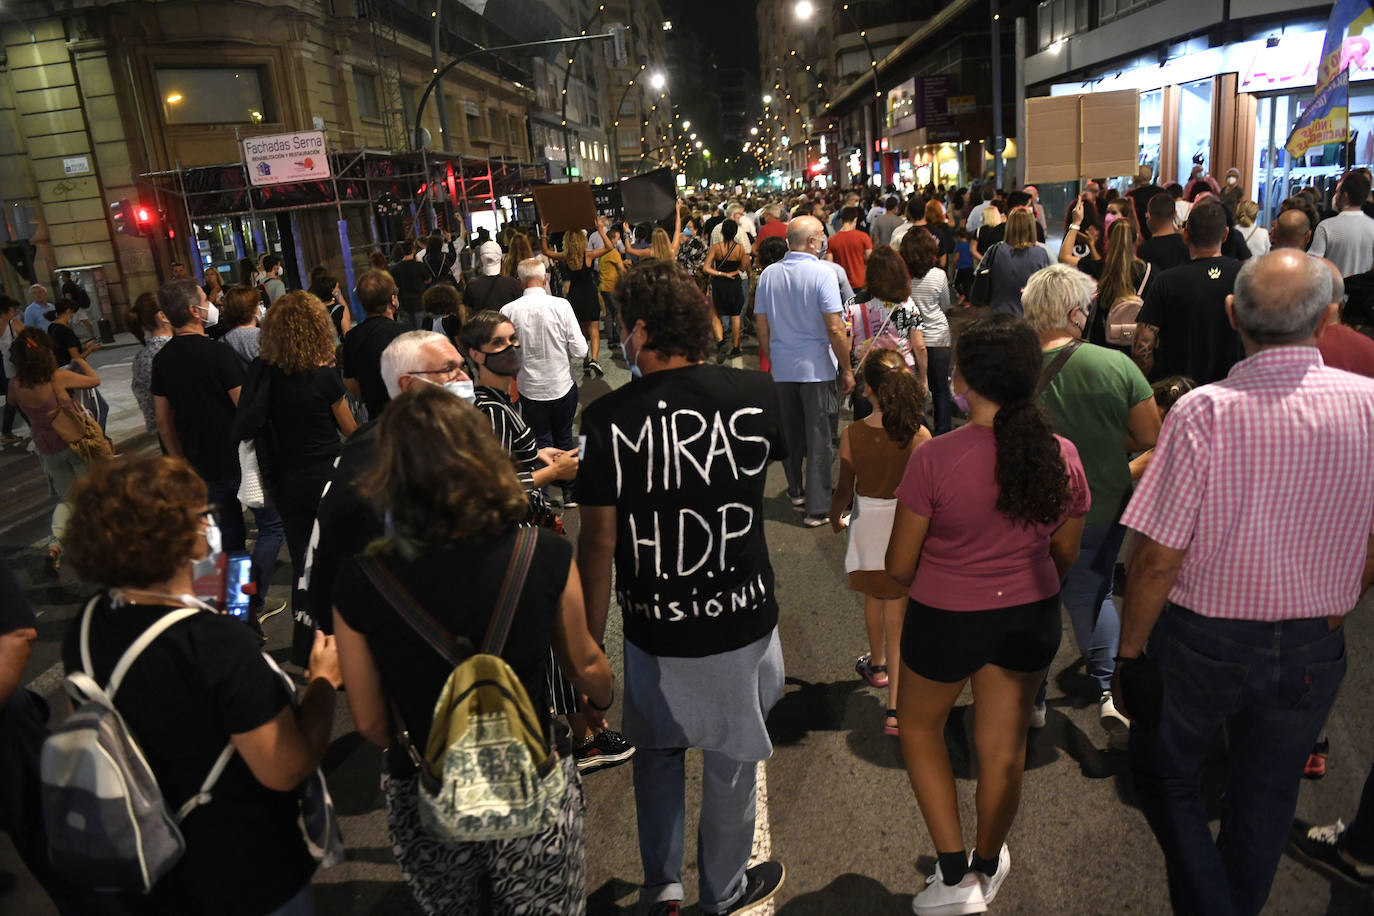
(419, 437)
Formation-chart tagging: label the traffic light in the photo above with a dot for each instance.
(133, 219)
(122, 216)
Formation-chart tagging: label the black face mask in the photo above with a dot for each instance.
(504, 362)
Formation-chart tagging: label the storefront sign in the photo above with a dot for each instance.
(286, 158)
(962, 104)
(932, 102)
(901, 108)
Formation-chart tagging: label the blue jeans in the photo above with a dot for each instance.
(552, 423)
(725, 837)
(223, 494)
(1087, 595)
(1270, 685)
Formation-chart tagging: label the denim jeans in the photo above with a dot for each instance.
(223, 494)
(1087, 596)
(552, 423)
(1270, 685)
(725, 837)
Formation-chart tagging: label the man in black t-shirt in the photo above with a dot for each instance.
(363, 346)
(195, 387)
(1164, 247)
(671, 485)
(1183, 328)
(412, 278)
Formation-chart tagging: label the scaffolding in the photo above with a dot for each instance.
(396, 196)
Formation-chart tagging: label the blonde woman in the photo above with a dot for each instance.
(1256, 237)
(582, 293)
(296, 393)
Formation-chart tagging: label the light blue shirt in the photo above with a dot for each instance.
(795, 295)
(33, 315)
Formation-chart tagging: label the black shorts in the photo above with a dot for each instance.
(948, 646)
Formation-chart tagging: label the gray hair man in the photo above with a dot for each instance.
(797, 315)
(1255, 515)
(1097, 398)
(35, 314)
(346, 522)
(551, 339)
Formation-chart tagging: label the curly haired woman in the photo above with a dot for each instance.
(296, 394)
(988, 524)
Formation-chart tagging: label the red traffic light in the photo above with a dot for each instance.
(143, 215)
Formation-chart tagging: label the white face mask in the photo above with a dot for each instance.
(211, 314)
(1231, 179)
(463, 389)
(207, 564)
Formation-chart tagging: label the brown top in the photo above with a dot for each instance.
(878, 461)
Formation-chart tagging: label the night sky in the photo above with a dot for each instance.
(730, 26)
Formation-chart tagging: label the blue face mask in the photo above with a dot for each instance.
(687, 230)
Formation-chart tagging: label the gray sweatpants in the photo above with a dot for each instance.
(810, 413)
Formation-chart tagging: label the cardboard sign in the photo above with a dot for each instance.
(607, 199)
(566, 206)
(650, 197)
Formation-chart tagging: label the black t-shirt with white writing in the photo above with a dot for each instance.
(1188, 305)
(197, 684)
(683, 455)
(195, 374)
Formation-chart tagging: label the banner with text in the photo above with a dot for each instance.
(286, 158)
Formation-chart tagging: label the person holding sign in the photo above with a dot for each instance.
(582, 292)
(671, 485)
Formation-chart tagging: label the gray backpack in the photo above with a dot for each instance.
(108, 825)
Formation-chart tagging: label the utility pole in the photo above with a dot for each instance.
(435, 55)
(999, 140)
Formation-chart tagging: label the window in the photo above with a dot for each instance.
(517, 130)
(498, 126)
(369, 105)
(582, 148)
(629, 137)
(473, 116)
(213, 95)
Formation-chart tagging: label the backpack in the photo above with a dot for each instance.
(691, 254)
(107, 823)
(487, 772)
(1121, 317)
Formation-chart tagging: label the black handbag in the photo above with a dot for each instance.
(981, 293)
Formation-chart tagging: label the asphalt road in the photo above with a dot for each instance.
(839, 811)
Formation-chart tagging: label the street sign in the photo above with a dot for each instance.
(286, 158)
(76, 165)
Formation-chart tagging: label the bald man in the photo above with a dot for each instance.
(797, 316)
(1291, 230)
(1279, 446)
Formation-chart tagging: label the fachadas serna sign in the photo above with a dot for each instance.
(285, 158)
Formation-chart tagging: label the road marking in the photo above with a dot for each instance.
(763, 837)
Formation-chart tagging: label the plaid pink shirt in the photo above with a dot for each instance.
(1266, 479)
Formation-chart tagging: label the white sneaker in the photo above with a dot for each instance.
(1037, 719)
(993, 884)
(1117, 726)
(941, 899)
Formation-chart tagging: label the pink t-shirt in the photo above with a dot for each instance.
(975, 558)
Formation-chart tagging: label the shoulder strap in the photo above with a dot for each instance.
(420, 620)
(521, 558)
(1058, 363)
(132, 653)
(1140, 291)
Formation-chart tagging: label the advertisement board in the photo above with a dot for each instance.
(286, 158)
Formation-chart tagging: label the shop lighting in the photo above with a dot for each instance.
(174, 98)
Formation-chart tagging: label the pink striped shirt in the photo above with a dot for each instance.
(1266, 479)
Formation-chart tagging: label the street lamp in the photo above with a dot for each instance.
(767, 99)
(658, 81)
(753, 131)
(804, 9)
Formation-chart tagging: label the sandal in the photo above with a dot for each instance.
(876, 675)
(890, 729)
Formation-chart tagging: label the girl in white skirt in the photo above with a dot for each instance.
(873, 456)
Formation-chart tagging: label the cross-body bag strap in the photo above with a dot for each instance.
(419, 620)
(1056, 364)
(1140, 290)
(521, 559)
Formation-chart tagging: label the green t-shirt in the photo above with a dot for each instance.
(1088, 402)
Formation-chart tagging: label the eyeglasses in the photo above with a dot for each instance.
(449, 368)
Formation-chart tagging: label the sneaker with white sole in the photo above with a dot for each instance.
(991, 885)
(1038, 713)
(1117, 726)
(1324, 845)
(607, 748)
(941, 899)
(761, 882)
(798, 502)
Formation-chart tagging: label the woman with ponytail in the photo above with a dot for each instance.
(988, 523)
(873, 455)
